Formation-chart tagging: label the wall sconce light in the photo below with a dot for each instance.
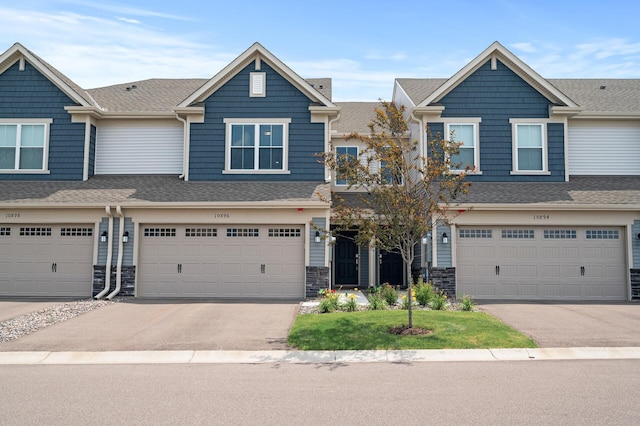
(103, 237)
(125, 237)
(317, 237)
(332, 239)
(425, 241)
(445, 238)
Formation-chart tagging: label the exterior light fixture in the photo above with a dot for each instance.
(125, 237)
(445, 238)
(103, 237)
(425, 241)
(317, 237)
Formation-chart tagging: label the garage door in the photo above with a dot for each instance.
(46, 260)
(239, 261)
(576, 263)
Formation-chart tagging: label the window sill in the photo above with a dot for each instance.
(256, 172)
(24, 172)
(530, 173)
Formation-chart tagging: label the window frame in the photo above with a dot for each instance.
(336, 180)
(515, 123)
(19, 123)
(475, 123)
(257, 122)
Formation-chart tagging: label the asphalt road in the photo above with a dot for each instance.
(489, 393)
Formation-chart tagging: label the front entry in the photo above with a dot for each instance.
(391, 268)
(346, 260)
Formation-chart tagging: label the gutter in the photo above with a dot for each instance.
(107, 272)
(120, 254)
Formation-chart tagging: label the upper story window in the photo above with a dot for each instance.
(469, 154)
(23, 145)
(343, 153)
(257, 146)
(529, 147)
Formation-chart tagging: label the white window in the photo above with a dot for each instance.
(343, 154)
(257, 146)
(529, 147)
(23, 146)
(258, 83)
(469, 154)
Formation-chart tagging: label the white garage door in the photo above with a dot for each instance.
(575, 263)
(238, 261)
(46, 260)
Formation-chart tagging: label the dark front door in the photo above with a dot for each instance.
(346, 268)
(391, 268)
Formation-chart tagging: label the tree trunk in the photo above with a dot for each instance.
(410, 294)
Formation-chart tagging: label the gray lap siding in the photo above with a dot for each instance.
(497, 96)
(283, 100)
(28, 94)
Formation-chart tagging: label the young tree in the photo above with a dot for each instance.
(400, 193)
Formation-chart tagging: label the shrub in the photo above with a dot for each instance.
(389, 294)
(329, 301)
(466, 303)
(424, 292)
(439, 301)
(405, 299)
(377, 303)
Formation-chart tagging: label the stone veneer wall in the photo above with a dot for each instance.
(444, 279)
(635, 284)
(317, 277)
(127, 281)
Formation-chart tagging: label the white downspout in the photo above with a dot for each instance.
(185, 148)
(120, 254)
(107, 272)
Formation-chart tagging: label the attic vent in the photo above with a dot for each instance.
(130, 88)
(257, 84)
(603, 87)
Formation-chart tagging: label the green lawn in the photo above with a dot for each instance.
(369, 330)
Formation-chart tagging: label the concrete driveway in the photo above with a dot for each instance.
(556, 325)
(167, 325)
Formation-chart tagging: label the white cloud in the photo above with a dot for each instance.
(125, 10)
(524, 47)
(129, 20)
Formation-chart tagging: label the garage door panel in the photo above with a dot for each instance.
(562, 263)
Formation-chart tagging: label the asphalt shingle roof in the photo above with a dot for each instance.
(145, 189)
(355, 117)
(580, 190)
(618, 95)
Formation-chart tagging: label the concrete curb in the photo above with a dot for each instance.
(315, 357)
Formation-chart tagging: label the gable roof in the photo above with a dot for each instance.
(498, 52)
(18, 52)
(253, 53)
(615, 96)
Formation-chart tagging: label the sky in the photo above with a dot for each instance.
(362, 45)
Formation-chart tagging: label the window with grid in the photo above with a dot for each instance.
(258, 146)
(602, 234)
(160, 232)
(284, 232)
(76, 232)
(201, 232)
(560, 234)
(35, 232)
(242, 232)
(5, 232)
(518, 233)
(344, 154)
(475, 233)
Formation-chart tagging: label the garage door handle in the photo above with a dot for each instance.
(582, 271)
(54, 267)
(497, 270)
(179, 268)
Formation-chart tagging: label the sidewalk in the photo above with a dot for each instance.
(315, 357)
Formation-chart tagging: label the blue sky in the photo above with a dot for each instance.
(362, 46)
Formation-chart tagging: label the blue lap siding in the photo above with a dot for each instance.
(282, 100)
(497, 96)
(29, 94)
